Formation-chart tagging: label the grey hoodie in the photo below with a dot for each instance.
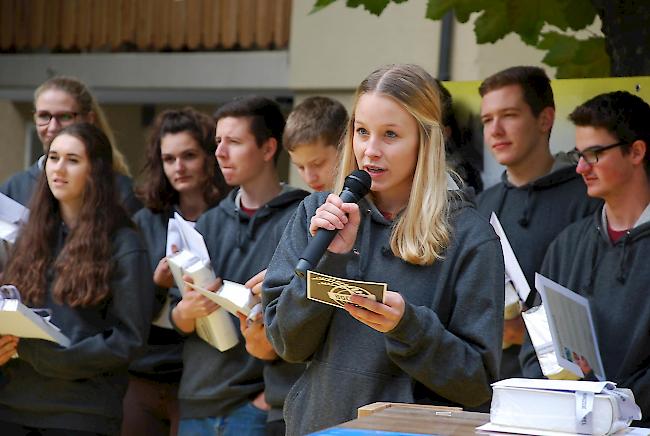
(532, 216)
(445, 350)
(213, 382)
(81, 387)
(615, 279)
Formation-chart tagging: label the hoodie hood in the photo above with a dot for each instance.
(458, 199)
(533, 215)
(231, 205)
(640, 231)
(562, 171)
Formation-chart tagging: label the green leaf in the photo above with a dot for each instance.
(579, 13)
(321, 4)
(436, 9)
(493, 24)
(561, 48)
(563, 14)
(575, 58)
(527, 18)
(375, 7)
(465, 8)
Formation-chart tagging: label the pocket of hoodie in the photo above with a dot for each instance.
(290, 400)
(328, 395)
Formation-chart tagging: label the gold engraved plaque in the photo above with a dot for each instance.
(336, 291)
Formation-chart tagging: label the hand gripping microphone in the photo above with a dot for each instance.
(356, 186)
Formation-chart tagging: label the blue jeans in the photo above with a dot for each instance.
(247, 420)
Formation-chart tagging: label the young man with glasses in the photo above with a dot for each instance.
(604, 257)
(58, 103)
(539, 194)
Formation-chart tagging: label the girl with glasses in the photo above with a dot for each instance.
(58, 103)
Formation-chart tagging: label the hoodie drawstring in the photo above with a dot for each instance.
(524, 220)
(525, 214)
(623, 263)
(364, 245)
(238, 237)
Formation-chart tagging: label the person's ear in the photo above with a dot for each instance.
(546, 118)
(638, 150)
(269, 147)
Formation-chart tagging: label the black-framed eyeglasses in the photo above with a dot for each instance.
(590, 155)
(43, 118)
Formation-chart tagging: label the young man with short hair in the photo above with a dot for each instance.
(231, 391)
(604, 257)
(312, 136)
(539, 194)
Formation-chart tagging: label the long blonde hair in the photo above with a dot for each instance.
(87, 104)
(422, 231)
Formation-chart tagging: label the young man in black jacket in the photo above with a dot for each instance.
(232, 390)
(539, 194)
(604, 257)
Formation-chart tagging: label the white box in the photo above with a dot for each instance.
(217, 329)
(19, 320)
(232, 296)
(583, 407)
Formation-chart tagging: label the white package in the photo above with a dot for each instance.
(232, 296)
(217, 329)
(581, 407)
(540, 336)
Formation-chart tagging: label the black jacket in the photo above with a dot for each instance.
(615, 279)
(81, 387)
(534, 214)
(239, 246)
(445, 350)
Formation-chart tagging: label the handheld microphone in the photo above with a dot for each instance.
(356, 186)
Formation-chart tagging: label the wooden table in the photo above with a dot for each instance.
(415, 418)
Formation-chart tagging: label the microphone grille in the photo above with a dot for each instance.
(358, 181)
